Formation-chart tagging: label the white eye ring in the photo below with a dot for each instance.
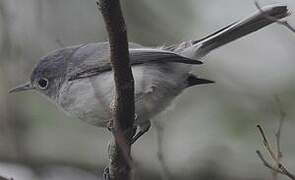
(43, 83)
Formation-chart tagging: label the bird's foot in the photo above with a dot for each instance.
(106, 174)
(143, 128)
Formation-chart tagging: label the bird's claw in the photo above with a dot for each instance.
(106, 174)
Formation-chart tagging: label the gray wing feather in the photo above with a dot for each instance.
(93, 59)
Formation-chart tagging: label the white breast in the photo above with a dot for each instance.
(155, 87)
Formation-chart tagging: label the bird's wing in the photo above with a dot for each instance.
(91, 59)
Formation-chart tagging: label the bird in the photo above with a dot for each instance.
(79, 79)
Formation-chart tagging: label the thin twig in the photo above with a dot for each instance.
(282, 115)
(281, 22)
(286, 172)
(278, 168)
(266, 143)
(265, 163)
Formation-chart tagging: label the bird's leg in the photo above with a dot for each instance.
(143, 128)
(110, 125)
(106, 173)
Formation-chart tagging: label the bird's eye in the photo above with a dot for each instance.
(43, 83)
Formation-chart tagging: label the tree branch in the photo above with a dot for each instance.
(123, 103)
(276, 155)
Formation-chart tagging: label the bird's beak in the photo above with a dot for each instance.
(23, 87)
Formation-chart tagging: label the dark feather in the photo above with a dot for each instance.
(93, 59)
(192, 80)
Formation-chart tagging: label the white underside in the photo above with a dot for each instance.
(156, 85)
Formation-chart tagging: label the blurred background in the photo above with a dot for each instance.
(208, 133)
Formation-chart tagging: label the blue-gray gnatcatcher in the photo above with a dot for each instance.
(79, 79)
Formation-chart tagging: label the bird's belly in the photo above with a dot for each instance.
(89, 99)
(81, 99)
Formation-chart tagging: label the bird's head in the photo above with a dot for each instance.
(48, 75)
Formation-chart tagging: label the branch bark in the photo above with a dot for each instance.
(120, 163)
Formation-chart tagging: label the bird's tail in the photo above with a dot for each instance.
(236, 30)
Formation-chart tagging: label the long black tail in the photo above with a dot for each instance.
(237, 30)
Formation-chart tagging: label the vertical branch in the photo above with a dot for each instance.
(123, 104)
